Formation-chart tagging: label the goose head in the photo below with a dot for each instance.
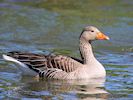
(91, 33)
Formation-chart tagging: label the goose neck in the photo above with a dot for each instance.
(86, 52)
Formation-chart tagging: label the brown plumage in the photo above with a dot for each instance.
(41, 63)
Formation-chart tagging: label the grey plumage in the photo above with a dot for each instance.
(47, 66)
(64, 67)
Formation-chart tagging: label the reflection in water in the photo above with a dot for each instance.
(82, 89)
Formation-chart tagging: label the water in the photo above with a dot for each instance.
(55, 25)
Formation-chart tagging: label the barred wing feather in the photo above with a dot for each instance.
(51, 66)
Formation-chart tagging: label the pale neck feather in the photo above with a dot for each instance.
(95, 67)
(86, 52)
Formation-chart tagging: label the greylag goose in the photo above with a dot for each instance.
(60, 66)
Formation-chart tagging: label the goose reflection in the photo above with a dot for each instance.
(74, 89)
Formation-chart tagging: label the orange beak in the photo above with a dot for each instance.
(101, 36)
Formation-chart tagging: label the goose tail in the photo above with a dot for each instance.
(23, 67)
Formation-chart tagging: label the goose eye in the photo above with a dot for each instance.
(92, 31)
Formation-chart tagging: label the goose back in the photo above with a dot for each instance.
(45, 62)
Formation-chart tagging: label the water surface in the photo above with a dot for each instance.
(40, 26)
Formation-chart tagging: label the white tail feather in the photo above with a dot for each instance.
(23, 67)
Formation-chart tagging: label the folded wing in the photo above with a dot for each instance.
(48, 66)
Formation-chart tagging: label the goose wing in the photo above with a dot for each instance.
(49, 63)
